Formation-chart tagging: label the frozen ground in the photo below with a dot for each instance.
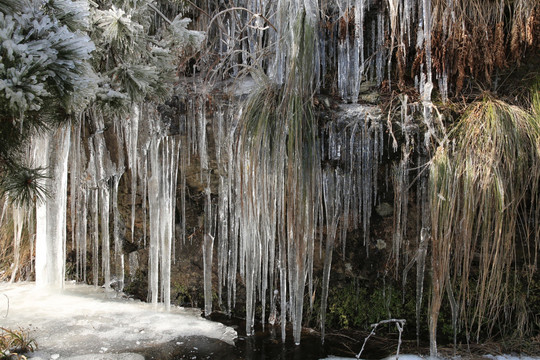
(84, 323)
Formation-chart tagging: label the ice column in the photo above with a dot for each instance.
(51, 151)
(78, 199)
(332, 191)
(163, 161)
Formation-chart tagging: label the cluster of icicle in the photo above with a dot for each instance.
(254, 235)
(244, 226)
(243, 222)
(354, 40)
(82, 154)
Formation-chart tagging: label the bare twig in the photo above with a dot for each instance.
(400, 323)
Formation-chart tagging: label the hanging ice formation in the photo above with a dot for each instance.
(355, 145)
(264, 208)
(51, 151)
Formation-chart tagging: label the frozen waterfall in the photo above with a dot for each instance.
(263, 209)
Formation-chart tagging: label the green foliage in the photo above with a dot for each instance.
(24, 185)
(357, 306)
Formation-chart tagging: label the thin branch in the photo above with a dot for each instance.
(242, 9)
(151, 6)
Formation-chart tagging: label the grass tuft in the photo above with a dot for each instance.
(14, 343)
(484, 199)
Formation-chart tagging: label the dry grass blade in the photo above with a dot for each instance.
(480, 193)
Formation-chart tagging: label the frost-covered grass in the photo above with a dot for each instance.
(82, 320)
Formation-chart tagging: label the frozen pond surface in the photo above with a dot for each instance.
(418, 357)
(81, 322)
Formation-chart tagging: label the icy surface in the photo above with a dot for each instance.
(402, 357)
(81, 320)
(420, 357)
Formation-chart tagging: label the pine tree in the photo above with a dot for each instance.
(45, 77)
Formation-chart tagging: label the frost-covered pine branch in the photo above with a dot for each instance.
(44, 76)
(135, 56)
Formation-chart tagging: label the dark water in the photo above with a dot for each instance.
(265, 344)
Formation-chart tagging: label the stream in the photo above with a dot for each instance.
(265, 344)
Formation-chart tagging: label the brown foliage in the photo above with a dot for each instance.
(516, 40)
(475, 39)
(500, 49)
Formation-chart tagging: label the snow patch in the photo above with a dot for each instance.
(84, 320)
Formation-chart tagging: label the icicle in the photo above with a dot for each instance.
(355, 141)
(161, 185)
(104, 200)
(123, 133)
(118, 241)
(202, 142)
(154, 216)
(379, 60)
(343, 68)
(82, 224)
(75, 170)
(95, 234)
(131, 141)
(169, 170)
(332, 191)
(93, 208)
(31, 226)
(51, 152)
(234, 212)
(184, 155)
(359, 48)
(223, 152)
(143, 167)
(101, 169)
(208, 250)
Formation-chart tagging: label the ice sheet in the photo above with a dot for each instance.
(82, 320)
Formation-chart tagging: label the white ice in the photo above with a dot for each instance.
(81, 322)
